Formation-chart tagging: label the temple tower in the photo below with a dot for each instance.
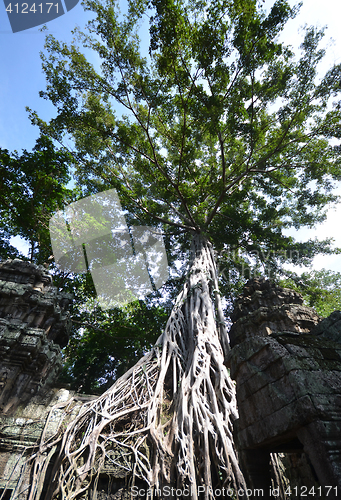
(34, 326)
(287, 367)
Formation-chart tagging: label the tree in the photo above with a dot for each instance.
(33, 187)
(225, 141)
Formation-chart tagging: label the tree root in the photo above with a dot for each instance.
(168, 420)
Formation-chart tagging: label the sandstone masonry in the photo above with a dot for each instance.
(286, 363)
(287, 367)
(34, 325)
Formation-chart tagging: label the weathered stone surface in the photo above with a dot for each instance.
(21, 431)
(28, 298)
(270, 309)
(34, 323)
(329, 328)
(287, 367)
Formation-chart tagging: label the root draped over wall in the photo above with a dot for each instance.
(168, 421)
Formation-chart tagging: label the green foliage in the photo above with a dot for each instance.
(223, 131)
(104, 344)
(32, 187)
(320, 289)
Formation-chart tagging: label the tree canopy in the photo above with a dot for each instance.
(221, 129)
(203, 122)
(33, 187)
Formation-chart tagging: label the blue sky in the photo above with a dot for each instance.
(22, 78)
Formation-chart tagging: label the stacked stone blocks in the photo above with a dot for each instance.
(34, 325)
(287, 367)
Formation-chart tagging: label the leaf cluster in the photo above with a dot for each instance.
(105, 344)
(320, 289)
(33, 187)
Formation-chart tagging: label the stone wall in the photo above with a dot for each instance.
(23, 430)
(288, 380)
(34, 325)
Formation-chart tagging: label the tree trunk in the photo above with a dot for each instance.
(168, 422)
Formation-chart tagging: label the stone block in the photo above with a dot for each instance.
(277, 425)
(30, 342)
(317, 382)
(328, 407)
(11, 337)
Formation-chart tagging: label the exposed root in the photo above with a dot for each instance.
(168, 420)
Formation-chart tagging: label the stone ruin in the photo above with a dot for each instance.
(287, 368)
(34, 325)
(286, 363)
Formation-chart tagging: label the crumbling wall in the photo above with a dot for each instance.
(21, 432)
(34, 325)
(288, 380)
